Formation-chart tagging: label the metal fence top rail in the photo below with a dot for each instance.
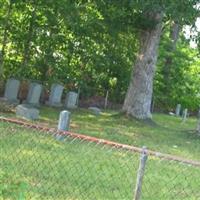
(100, 141)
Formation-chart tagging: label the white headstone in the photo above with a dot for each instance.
(11, 90)
(178, 110)
(34, 94)
(64, 120)
(71, 100)
(185, 113)
(55, 95)
(198, 123)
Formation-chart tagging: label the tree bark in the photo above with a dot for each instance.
(4, 42)
(174, 35)
(138, 98)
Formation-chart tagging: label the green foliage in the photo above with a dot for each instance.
(87, 44)
(184, 81)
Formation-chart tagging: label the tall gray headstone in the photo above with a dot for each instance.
(34, 94)
(71, 100)
(55, 95)
(64, 121)
(178, 110)
(11, 90)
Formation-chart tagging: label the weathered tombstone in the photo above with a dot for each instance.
(64, 120)
(178, 110)
(71, 100)
(95, 110)
(184, 115)
(11, 91)
(55, 95)
(34, 94)
(27, 112)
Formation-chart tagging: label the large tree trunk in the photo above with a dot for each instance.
(138, 98)
(4, 41)
(174, 35)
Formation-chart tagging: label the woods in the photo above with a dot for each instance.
(133, 49)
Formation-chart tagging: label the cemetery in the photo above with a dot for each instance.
(62, 112)
(99, 100)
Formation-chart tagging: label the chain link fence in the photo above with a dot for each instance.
(42, 163)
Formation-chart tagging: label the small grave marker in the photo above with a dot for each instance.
(64, 121)
(27, 112)
(95, 110)
(198, 123)
(178, 110)
(185, 114)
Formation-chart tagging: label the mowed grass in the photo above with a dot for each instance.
(35, 165)
(168, 135)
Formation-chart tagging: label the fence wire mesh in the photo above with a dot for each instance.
(42, 164)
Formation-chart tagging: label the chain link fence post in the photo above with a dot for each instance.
(140, 174)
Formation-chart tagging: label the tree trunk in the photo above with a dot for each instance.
(138, 98)
(174, 35)
(5, 36)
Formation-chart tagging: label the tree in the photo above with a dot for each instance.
(139, 96)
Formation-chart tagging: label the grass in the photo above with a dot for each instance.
(170, 135)
(38, 166)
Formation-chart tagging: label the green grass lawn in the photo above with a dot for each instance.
(35, 165)
(170, 135)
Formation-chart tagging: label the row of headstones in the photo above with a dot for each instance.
(34, 93)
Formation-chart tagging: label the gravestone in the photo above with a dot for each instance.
(34, 94)
(55, 95)
(11, 91)
(64, 120)
(27, 112)
(198, 115)
(71, 100)
(184, 115)
(178, 110)
(95, 110)
(198, 123)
